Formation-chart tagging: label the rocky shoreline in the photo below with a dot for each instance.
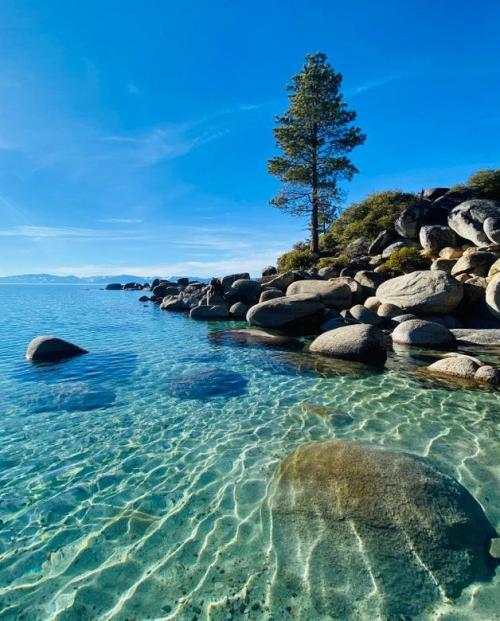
(358, 310)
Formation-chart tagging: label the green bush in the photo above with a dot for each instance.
(405, 260)
(367, 218)
(340, 261)
(299, 258)
(485, 184)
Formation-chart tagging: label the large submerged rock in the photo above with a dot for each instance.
(379, 521)
(427, 291)
(52, 349)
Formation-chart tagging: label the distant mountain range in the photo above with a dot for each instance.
(50, 279)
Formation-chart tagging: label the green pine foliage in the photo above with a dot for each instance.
(484, 183)
(367, 218)
(315, 136)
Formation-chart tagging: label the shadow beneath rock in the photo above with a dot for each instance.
(207, 384)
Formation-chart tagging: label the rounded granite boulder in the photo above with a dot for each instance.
(291, 312)
(420, 332)
(52, 349)
(426, 291)
(380, 521)
(332, 293)
(467, 219)
(358, 343)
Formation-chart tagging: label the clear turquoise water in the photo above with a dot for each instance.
(122, 498)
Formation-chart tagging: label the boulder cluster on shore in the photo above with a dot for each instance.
(356, 310)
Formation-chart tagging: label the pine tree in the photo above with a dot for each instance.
(315, 135)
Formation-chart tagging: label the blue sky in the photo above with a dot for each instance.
(134, 136)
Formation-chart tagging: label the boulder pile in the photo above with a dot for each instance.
(359, 310)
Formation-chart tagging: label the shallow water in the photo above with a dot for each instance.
(125, 497)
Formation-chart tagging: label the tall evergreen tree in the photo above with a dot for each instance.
(314, 135)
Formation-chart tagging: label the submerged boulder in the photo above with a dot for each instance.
(359, 343)
(369, 517)
(252, 336)
(427, 291)
(206, 383)
(333, 294)
(291, 312)
(52, 349)
(467, 219)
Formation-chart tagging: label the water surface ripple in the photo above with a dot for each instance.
(123, 497)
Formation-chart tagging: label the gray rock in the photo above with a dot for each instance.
(405, 317)
(486, 338)
(453, 198)
(228, 280)
(491, 226)
(412, 219)
(422, 292)
(113, 286)
(359, 343)
(244, 290)
(329, 271)
(433, 193)
(341, 503)
(144, 298)
(477, 263)
(269, 270)
(494, 269)
(456, 366)
(488, 375)
(372, 303)
(270, 294)
(404, 243)
(284, 280)
(383, 239)
(474, 291)
(162, 290)
(388, 310)
(174, 303)
(333, 294)
(239, 310)
(443, 265)
(493, 296)
(52, 349)
(434, 238)
(369, 281)
(422, 333)
(358, 247)
(467, 219)
(365, 315)
(295, 312)
(209, 312)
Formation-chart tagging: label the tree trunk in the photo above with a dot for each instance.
(314, 247)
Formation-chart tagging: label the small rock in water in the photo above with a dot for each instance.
(204, 384)
(52, 349)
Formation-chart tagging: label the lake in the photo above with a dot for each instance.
(135, 480)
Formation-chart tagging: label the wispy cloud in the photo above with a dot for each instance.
(376, 83)
(120, 221)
